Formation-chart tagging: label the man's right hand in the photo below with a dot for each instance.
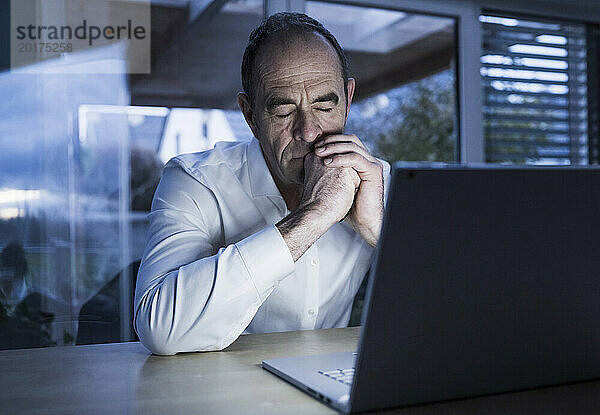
(327, 198)
(330, 192)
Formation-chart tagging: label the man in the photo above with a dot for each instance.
(272, 235)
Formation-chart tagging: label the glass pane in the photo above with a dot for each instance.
(55, 201)
(79, 165)
(535, 91)
(404, 106)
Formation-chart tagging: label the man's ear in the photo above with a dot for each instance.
(246, 108)
(351, 85)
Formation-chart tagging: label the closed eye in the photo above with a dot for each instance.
(284, 115)
(325, 109)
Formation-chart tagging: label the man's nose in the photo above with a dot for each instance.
(306, 127)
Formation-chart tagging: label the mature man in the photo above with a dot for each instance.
(271, 235)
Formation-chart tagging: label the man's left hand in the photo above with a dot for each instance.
(346, 150)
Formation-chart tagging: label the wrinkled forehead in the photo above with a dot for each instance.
(294, 58)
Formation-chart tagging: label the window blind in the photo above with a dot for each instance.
(534, 79)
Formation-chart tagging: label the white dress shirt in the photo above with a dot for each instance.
(216, 266)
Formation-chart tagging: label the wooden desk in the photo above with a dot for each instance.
(124, 378)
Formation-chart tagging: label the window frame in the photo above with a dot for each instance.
(570, 72)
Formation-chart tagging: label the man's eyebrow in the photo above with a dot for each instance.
(276, 101)
(330, 97)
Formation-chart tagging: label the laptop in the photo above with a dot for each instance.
(485, 280)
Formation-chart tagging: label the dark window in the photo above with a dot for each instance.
(534, 76)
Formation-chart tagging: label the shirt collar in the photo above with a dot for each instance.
(261, 181)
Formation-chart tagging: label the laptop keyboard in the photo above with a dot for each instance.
(341, 375)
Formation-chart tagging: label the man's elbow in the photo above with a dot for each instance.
(162, 339)
(155, 339)
(154, 322)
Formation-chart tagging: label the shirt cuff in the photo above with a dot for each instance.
(267, 257)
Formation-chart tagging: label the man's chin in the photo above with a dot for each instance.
(297, 179)
(295, 173)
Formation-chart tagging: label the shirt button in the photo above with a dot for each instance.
(311, 311)
(314, 262)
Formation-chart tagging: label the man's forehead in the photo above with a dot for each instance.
(306, 60)
(306, 77)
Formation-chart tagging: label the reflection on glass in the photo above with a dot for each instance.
(23, 321)
(79, 165)
(46, 275)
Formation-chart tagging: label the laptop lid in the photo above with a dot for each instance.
(486, 280)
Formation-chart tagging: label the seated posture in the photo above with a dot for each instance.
(273, 234)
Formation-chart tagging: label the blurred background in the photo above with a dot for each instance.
(81, 153)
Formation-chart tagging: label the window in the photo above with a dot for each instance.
(57, 199)
(534, 76)
(404, 106)
(79, 164)
(81, 154)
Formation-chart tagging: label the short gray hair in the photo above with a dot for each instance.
(278, 25)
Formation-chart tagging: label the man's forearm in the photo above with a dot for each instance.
(301, 228)
(369, 234)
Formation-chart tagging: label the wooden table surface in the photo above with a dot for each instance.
(124, 378)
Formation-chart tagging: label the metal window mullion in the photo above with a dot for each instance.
(472, 139)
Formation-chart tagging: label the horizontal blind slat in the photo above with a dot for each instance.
(525, 119)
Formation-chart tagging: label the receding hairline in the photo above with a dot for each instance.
(288, 39)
